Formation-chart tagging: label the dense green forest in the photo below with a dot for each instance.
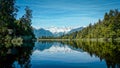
(108, 28)
(10, 26)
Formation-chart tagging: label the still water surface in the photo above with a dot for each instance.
(57, 55)
(60, 55)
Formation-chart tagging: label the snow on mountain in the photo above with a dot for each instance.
(56, 30)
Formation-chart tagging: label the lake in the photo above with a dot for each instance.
(48, 54)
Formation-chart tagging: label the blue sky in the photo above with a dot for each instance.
(68, 13)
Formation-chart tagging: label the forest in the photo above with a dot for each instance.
(108, 28)
(10, 26)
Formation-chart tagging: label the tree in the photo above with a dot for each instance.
(25, 21)
(9, 25)
(108, 28)
(7, 15)
(7, 12)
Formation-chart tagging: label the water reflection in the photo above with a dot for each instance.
(14, 56)
(108, 51)
(75, 54)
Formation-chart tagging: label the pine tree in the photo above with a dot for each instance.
(7, 15)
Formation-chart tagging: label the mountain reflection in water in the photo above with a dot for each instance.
(61, 55)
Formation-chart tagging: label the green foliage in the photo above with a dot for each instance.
(17, 41)
(24, 27)
(107, 28)
(9, 25)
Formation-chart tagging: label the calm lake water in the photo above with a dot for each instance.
(61, 55)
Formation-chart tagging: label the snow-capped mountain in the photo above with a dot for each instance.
(55, 31)
(59, 31)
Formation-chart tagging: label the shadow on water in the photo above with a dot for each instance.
(108, 51)
(18, 56)
(15, 56)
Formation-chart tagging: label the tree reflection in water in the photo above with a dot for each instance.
(108, 51)
(16, 55)
(11, 54)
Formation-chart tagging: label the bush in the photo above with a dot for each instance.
(17, 41)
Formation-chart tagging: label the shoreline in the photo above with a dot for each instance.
(83, 39)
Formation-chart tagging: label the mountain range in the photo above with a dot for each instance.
(55, 31)
(42, 32)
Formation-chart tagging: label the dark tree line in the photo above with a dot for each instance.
(109, 27)
(12, 27)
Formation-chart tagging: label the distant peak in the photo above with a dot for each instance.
(59, 29)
